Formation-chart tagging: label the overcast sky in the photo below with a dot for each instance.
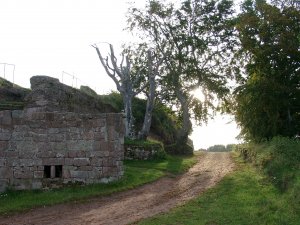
(47, 37)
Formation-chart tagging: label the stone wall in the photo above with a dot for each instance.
(40, 149)
(49, 95)
(144, 152)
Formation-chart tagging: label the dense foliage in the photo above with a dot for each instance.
(221, 148)
(279, 159)
(268, 99)
(192, 38)
(155, 147)
(164, 125)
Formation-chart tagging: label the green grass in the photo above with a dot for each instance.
(245, 197)
(173, 164)
(136, 174)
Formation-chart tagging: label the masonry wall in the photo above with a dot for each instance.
(40, 149)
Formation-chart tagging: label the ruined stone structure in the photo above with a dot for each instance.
(44, 146)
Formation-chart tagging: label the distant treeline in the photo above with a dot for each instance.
(221, 148)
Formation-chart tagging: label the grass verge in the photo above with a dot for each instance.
(245, 197)
(172, 164)
(136, 174)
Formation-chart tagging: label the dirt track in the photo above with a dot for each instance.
(131, 206)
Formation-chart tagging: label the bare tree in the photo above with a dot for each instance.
(125, 82)
(153, 69)
(128, 83)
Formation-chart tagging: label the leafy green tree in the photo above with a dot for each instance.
(268, 99)
(193, 40)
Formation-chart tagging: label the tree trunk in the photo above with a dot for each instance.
(127, 101)
(143, 134)
(187, 124)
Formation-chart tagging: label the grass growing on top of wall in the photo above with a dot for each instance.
(244, 197)
(136, 174)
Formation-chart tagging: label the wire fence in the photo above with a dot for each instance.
(7, 71)
(73, 81)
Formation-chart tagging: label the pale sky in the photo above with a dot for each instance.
(47, 37)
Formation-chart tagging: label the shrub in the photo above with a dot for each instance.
(164, 120)
(144, 149)
(278, 158)
(179, 149)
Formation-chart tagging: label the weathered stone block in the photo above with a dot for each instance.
(2, 162)
(99, 136)
(101, 146)
(104, 180)
(37, 137)
(27, 154)
(46, 153)
(3, 145)
(72, 154)
(58, 146)
(38, 174)
(38, 116)
(69, 161)
(12, 162)
(17, 114)
(53, 131)
(79, 174)
(21, 128)
(5, 172)
(73, 146)
(5, 118)
(17, 136)
(49, 116)
(66, 174)
(36, 184)
(30, 162)
(80, 154)
(97, 162)
(53, 161)
(101, 154)
(88, 135)
(26, 146)
(72, 136)
(21, 184)
(5, 136)
(112, 134)
(85, 145)
(23, 173)
(3, 184)
(11, 154)
(106, 162)
(56, 137)
(85, 168)
(60, 155)
(81, 161)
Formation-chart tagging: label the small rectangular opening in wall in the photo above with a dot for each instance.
(58, 171)
(47, 171)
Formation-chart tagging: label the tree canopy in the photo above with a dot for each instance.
(268, 99)
(193, 39)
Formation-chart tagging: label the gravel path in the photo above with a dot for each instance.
(133, 205)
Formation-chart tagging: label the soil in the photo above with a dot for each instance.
(131, 206)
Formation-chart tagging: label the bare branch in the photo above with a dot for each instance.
(106, 67)
(114, 61)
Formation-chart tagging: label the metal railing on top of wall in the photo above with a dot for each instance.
(8, 73)
(73, 81)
